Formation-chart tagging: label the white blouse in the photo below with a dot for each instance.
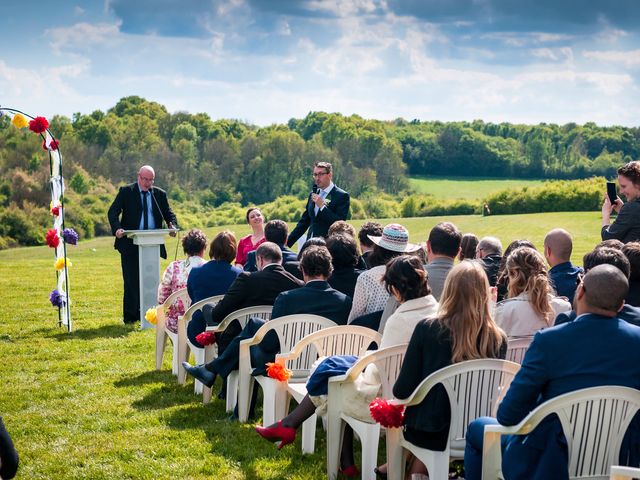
(370, 294)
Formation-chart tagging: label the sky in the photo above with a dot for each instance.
(266, 61)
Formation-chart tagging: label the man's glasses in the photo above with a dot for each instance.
(319, 174)
(150, 180)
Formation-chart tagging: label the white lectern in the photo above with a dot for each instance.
(148, 242)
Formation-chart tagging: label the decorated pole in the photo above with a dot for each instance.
(57, 237)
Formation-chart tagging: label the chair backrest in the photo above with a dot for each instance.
(624, 473)
(290, 329)
(594, 421)
(517, 347)
(333, 340)
(180, 294)
(199, 304)
(244, 314)
(475, 389)
(388, 362)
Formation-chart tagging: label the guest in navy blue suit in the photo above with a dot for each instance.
(606, 256)
(596, 349)
(213, 278)
(558, 246)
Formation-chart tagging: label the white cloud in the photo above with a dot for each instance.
(630, 58)
(82, 36)
(344, 8)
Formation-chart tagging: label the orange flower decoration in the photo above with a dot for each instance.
(278, 371)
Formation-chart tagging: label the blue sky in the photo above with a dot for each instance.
(265, 61)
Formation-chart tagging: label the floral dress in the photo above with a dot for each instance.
(174, 278)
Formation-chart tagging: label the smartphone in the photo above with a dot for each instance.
(611, 192)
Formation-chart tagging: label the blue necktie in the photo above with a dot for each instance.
(145, 211)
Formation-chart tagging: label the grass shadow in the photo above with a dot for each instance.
(104, 331)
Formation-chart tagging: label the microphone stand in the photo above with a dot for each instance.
(175, 256)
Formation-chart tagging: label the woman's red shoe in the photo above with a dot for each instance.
(350, 471)
(286, 435)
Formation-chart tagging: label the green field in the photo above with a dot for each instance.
(89, 405)
(465, 187)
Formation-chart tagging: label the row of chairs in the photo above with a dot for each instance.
(475, 389)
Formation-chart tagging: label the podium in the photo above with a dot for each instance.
(148, 242)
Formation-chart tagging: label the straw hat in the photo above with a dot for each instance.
(395, 238)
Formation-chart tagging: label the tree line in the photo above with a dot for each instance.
(206, 163)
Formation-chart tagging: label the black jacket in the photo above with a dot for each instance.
(626, 228)
(337, 208)
(344, 280)
(126, 210)
(253, 289)
(491, 264)
(429, 350)
(317, 298)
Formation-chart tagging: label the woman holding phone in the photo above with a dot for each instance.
(626, 228)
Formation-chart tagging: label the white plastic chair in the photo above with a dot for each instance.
(475, 388)
(624, 473)
(290, 329)
(201, 355)
(161, 331)
(338, 340)
(594, 421)
(517, 347)
(242, 316)
(388, 362)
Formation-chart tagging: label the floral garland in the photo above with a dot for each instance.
(57, 237)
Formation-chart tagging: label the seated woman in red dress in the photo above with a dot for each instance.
(253, 240)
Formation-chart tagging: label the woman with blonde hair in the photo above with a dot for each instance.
(462, 330)
(531, 304)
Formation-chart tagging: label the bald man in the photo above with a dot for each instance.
(138, 206)
(558, 246)
(598, 348)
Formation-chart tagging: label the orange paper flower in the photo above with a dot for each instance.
(278, 371)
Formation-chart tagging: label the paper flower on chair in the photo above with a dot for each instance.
(53, 145)
(38, 125)
(151, 316)
(70, 236)
(56, 298)
(206, 338)
(19, 121)
(278, 371)
(52, 238)
(62, 263)
(386, 414)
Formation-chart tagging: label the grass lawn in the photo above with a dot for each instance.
(465, 187)
(90, 405)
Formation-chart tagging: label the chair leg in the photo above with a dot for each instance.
(161, 341)
(309, 434)
(183, 351)
(395, 456)
(335, 430)
(232, 391)
(369, 442)
(245, 390)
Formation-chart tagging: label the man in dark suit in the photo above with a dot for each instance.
(316, 297)
(248, 290)
(138, 206)
(326, 204)
(275, 231)
(597, 348)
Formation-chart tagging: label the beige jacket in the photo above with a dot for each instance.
(518, 319)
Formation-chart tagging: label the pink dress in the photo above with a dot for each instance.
(244, 247)
(174, 278)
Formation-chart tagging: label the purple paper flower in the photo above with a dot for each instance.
(56, 298)
(70, 236)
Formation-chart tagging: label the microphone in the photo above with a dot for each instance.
(159, 209)
(315, 188)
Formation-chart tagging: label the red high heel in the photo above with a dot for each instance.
(286, 435)
(350, 472)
